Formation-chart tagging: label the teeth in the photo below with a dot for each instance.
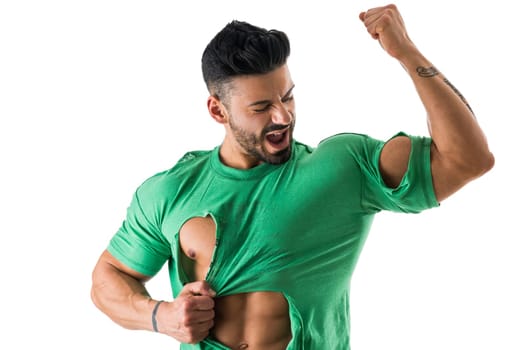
(277, 133)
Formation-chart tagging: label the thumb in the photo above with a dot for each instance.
(198, 288)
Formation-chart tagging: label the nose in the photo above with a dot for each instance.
(281, 115)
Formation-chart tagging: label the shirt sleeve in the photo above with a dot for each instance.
(139, 242)
(415, 192)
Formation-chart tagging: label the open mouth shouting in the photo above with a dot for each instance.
(278, 140)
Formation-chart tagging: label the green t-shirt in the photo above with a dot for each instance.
(295, 228)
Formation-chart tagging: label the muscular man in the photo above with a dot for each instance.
(262, 233)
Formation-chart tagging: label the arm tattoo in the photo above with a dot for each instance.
(426, 72)
(458, 93)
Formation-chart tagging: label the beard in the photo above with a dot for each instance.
(254, 145)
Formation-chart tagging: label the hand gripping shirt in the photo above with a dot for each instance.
(296, 228)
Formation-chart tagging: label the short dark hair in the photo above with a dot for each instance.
(241, 48)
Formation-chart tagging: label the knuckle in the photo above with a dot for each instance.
(391, 6)
(185, 320)
(200, 284)
(187, 305)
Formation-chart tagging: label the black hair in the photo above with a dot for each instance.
(241, 48)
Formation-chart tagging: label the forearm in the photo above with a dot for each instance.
(121, 297)
(455, 131)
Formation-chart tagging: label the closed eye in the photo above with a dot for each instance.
(264, 109)
(267, 104)
(288, 98)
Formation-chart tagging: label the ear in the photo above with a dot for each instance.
(217, 110)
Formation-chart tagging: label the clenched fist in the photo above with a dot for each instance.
(386, 25)
(189, 317)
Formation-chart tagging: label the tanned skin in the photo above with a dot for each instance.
(260, 320)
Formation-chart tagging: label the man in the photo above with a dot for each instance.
(262, 233)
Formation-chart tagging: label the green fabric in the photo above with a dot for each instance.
(295, 228)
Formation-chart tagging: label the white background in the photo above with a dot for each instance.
(95, 96)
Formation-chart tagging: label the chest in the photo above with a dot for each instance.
(262, 233)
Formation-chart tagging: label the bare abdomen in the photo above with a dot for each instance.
(253, 321)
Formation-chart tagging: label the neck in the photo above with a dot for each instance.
(234, 157)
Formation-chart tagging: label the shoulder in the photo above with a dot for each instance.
(348, 139)
(165, 182)
(350, 144)
(342, 141)
(193, 157)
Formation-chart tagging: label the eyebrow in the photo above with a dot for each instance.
(265, 102)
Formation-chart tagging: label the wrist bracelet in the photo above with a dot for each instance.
(154, 315)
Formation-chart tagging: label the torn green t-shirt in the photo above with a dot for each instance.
(296, 228)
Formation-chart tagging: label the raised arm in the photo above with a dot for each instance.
(459, 151)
